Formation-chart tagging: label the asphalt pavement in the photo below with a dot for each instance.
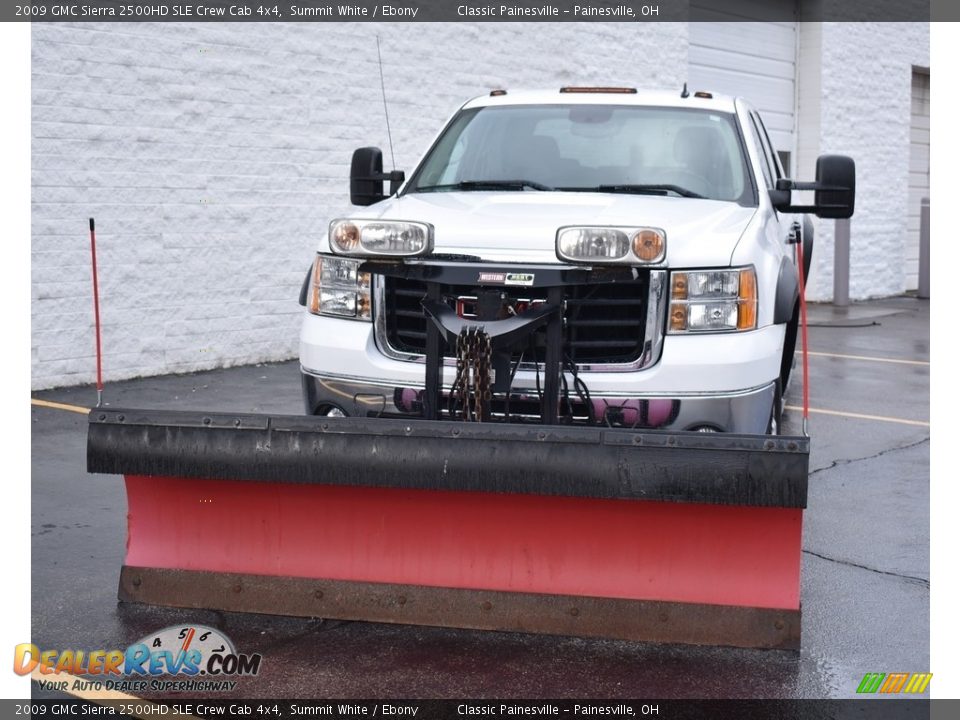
(865, 577)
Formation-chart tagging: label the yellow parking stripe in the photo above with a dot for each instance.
(857, 416)
(149, 709)
(861, 416)
(869, 358)
(60, 406)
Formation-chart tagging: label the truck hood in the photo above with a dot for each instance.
(522, 226)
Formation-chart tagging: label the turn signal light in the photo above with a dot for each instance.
(747, 315)
(648, 245)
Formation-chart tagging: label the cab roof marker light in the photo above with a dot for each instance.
(497, 93)
(613, 90)
(703, 94)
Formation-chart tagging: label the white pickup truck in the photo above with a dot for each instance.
(660, 226)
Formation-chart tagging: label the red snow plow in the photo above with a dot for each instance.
(637, 512)
(635, 534)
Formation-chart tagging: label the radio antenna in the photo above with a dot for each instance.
(383, 93)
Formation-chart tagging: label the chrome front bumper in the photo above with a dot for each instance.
(746, 411)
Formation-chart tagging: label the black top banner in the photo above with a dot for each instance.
(480, 11)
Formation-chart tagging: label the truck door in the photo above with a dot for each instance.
(791, 225)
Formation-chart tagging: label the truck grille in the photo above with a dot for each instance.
(603, 324)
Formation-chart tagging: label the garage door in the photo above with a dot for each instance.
(919, 170)
(755, 60)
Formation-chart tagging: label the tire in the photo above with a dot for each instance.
(789, 348)
(775, 423)
(807, 238)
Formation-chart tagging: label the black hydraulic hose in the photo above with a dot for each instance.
(583, 392)
(513, 374)
(536, 364)
(565, 399)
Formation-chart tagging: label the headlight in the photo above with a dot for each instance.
(386, 238)
(713, 300)
(620, 245)
(339, 289)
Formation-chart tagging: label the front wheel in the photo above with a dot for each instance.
(789, 348)
(774, 424)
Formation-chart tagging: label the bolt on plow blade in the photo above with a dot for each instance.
(597, 532)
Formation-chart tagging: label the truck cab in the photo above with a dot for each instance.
(659, 226)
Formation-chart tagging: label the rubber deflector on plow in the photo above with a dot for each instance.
(638, 535)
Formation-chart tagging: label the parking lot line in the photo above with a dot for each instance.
(857, 416)
(868, 358)
(147, 709)
(60, 406)
(861, 416)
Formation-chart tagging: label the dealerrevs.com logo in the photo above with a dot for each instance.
(203, 655)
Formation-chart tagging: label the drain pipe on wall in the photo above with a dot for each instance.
(841, 263)
(923, 280)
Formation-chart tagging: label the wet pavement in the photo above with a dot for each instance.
(865, 581)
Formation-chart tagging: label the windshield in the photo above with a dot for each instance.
(589, 148)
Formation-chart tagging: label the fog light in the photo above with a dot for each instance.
(386, 238)
(617, 245)
(601, 244)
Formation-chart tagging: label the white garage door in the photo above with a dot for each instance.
(919, 170)
(755, 60)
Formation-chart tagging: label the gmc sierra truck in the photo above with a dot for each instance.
(641, 245)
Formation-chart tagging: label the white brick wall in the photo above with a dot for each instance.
(213, 155)
(864, 112)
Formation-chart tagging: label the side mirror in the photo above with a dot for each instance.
(367, 176)
(834, 189)
(837, 178)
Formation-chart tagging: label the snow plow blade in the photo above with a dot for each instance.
(638, 535)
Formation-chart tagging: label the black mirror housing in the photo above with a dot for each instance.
(365, 168)
(367, 176)
(834, 189)
(837, 179)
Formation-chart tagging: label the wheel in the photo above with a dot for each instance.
(774, 424)
(789, 348)
(807, 238)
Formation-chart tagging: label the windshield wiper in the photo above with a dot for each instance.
(486, 185)
(661, 189)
